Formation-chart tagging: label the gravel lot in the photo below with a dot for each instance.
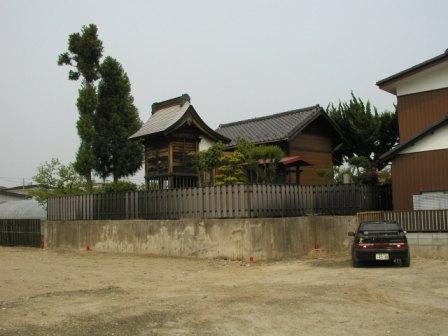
(85, 293)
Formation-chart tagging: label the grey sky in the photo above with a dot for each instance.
(236, 59)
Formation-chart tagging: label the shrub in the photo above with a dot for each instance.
(119, 186)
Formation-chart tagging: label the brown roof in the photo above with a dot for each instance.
(411, 71)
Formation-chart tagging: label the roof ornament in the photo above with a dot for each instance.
(181, 100)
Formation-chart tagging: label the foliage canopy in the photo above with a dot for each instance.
(246, 164)
(116, 119)
(230, 170)
(55, 179)
(85, 50)
(84, 53)
(370, 134)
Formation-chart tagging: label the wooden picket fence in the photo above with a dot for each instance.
(237, 201)
(20, 232)
(412, 221)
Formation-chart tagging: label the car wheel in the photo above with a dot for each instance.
(356, 262)
(406, 262)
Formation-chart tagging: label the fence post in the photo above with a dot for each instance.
(248, 191)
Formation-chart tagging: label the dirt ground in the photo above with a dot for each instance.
(85, 293)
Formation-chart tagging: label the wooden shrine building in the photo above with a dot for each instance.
(172, 135)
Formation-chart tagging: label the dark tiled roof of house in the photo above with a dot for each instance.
(386, 157)
(272, 128)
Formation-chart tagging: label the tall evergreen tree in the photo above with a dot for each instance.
(84, 53)
(116, 119)
(369, 132)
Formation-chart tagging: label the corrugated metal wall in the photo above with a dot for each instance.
(418, 172)
(418, 111)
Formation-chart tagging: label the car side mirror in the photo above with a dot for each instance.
(351, 234)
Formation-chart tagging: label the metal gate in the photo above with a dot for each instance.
(20, 232)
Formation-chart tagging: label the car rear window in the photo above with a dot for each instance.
(380, 226)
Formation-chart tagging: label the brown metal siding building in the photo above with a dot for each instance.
(417, 173)
(419, 110)
(420, 161)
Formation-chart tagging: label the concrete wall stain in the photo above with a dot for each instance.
(237, 239)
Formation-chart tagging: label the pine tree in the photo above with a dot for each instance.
(116, 119)
(369, 133)
(86, 103)
(84, 53)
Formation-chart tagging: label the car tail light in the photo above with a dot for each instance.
(398, 245)
(365, 245)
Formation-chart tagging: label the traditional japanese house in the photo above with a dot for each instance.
(172, 135)
(307, 136)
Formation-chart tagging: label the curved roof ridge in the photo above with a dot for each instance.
(162, 119)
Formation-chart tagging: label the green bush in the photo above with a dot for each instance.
(119, 186)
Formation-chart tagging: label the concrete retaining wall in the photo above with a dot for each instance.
(237, 239)
(429, 245)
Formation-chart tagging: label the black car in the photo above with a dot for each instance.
(380, 241)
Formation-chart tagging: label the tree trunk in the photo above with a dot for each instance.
(89, 183)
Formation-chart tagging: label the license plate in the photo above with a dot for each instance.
(382, 256)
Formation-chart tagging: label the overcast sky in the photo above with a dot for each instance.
(236, 59)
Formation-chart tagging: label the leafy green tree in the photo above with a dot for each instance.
(248, 163)
(269, 156)
(335, 174)
(247, 149)
(116, 119)
(86, 103)
(385, 176)
(388, 135)
(55, 179)
(360, 171)
(208, 160)
(231, 170)
(370, 133)
(118, 186)
(261, 161)
(84, 53)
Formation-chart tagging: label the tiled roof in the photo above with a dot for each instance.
(162, 118)
(170, 114)
(271, 128)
